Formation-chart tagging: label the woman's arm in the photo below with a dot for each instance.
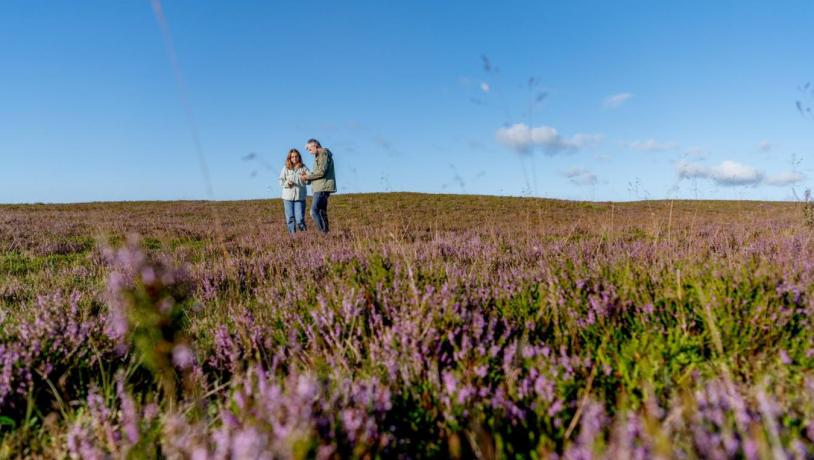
(283, 180)
(298, 179)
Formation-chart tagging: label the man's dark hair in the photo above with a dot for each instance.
(313, 141)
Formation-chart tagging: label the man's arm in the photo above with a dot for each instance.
(319, 168)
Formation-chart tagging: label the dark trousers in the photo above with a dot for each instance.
(319, 210)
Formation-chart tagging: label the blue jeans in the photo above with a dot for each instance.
(319, 210)
(294, 215)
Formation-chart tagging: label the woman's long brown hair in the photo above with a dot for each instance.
(288, 163)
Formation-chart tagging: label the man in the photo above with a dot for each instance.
(323, 182)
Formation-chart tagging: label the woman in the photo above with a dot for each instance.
(294, 191)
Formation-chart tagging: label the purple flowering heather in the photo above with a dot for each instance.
(35, 350)
(437, 332)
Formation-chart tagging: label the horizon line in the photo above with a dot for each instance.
(239, 200)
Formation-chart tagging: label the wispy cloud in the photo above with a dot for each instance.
(524, 139)
(615, 101)
(386, 146)
(785, 178)
(652, 145)
(728, 173)
(695, 152)
(477, 146)
(580, 176)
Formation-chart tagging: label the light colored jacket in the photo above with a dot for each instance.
(323, 179)
(293, 187)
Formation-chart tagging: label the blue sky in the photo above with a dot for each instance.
(630, 99)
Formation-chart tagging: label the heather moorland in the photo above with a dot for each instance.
(422, 326)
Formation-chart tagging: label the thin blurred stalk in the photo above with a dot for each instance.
(175, 64)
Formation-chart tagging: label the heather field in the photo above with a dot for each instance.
(423, 326)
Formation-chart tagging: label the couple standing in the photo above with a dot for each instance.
(295, 176)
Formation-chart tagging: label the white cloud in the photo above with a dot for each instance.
(521, 138)
(651, 145)
(785, 178)
(728, 173)
(687, 170)
(732, 173)
(764, 146)
(616, 100)
(580, 176)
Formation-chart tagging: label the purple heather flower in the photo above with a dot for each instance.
(555, 408)
(351, 421)
(148, 276)
(129, 414)
(229, 420)
(450, 383)
(199, 453)
(182, 356)
(325, 452)
(150, 411)
(250, 444)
